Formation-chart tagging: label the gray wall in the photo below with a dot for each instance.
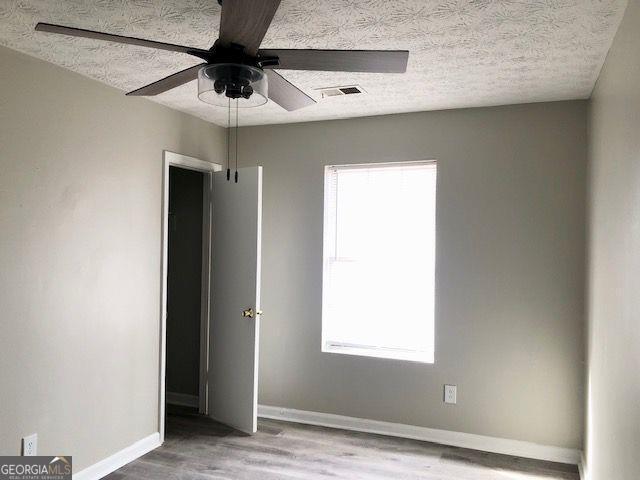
(80, 212)
(613, 411)
(184, 280)
(510, 270)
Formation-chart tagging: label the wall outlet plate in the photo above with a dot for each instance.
(451, 394)
(30, 445)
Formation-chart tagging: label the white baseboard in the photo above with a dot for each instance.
(182, 399)
(457, 439)
(583, 468)
(119, 459)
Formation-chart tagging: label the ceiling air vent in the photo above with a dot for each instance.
(339, 91)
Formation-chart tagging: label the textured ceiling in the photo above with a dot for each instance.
(463, 53)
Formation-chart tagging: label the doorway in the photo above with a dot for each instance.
(184, 286)
(229, 309)
(186, 281)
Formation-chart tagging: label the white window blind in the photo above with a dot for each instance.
(379, 260)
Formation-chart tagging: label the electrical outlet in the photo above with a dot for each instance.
(30, 445)
(451, 394)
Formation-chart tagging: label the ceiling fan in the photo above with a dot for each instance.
(236, 68)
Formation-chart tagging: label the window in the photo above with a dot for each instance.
(379, 260)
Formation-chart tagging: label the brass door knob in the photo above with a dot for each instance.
(249, 313)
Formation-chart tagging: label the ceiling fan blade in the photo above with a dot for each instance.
(167, 83)
(375, 61)
(245, 22)
(80, 32)
(286, 94)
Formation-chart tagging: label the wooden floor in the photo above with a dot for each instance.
(197, 448)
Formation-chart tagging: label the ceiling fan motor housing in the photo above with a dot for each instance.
(221, 82)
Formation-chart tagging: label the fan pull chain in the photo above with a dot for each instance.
(229, 140)
(237, 131)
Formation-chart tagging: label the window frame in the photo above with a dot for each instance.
(388, 353)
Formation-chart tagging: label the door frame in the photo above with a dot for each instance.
(190, 163)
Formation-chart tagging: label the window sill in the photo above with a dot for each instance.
(380, 352)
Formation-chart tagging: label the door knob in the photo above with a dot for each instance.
(249, 313)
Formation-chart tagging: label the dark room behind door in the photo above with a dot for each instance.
(184, 284)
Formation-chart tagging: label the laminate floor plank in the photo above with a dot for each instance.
(197, 448)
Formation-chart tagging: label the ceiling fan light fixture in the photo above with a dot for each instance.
(217, 83)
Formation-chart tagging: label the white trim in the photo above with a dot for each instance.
(119, 459)
(356, 166)
(205, 291)
(183, 399)
(583, 468)
(191, 163)
(445, 437)
(378, 352)
(258, 317)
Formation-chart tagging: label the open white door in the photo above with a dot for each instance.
(233, 357)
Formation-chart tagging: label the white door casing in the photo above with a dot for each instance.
(191, 163)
